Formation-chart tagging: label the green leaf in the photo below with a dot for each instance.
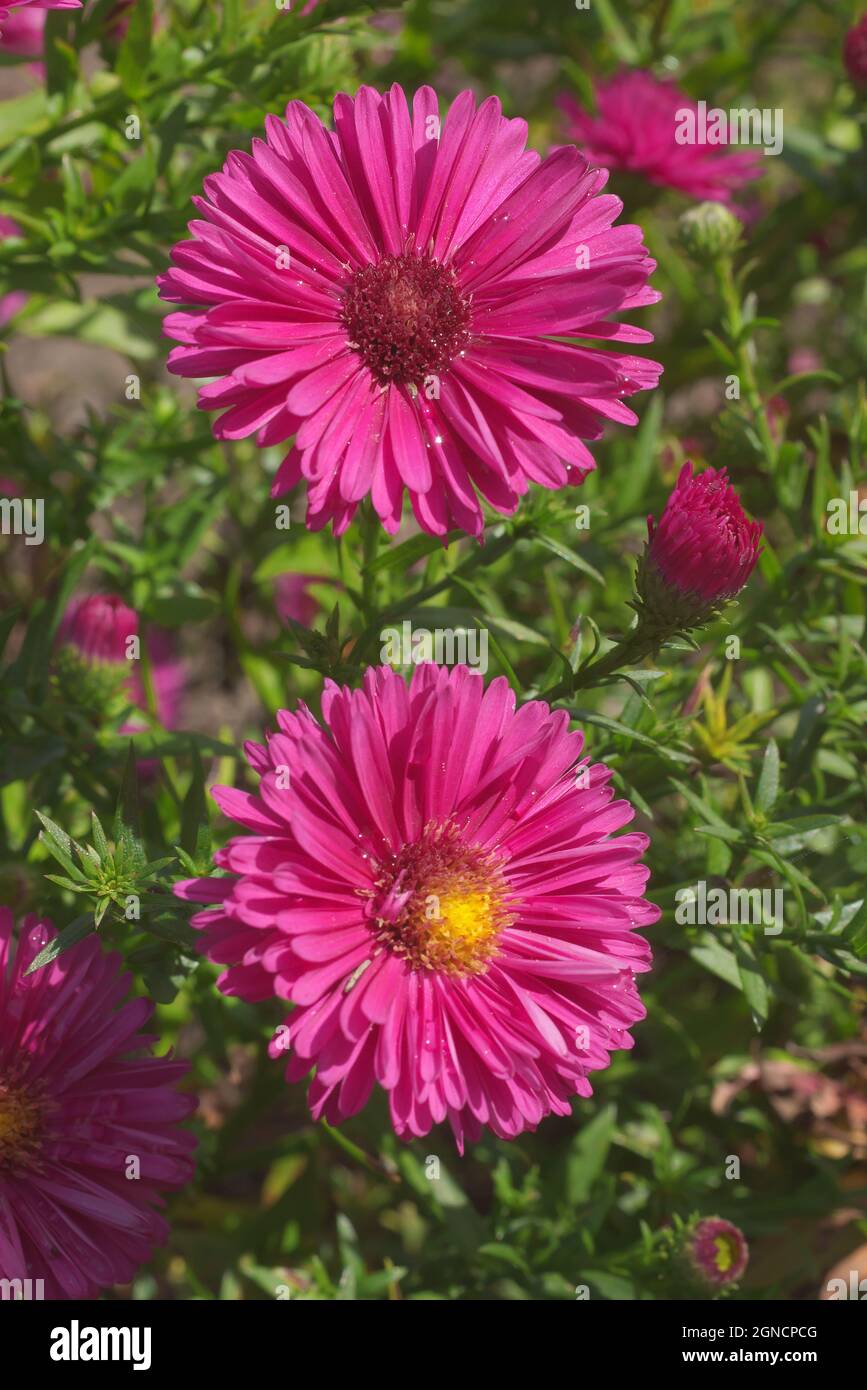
(769, 780)
(408, 553)
(570, 556)
(642, 458)
(617, 727)
(176, 604)
(70, 936)
(195, 828)
(588, 1152)
(59, 846)
(718, 959)
(753, 983)
(127, 816)
(611, 1286)
(99, 838)
(135, 50)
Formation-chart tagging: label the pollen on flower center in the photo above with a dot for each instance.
(727, 1252)
(21, 1116)
(406, 317)
(442, 903)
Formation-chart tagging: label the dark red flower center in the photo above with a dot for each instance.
(407, 318)
(442, 903)
(21, 1117)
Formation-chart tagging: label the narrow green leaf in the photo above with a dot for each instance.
(70, 936)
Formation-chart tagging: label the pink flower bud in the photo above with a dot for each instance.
(99, 628)
(717, 1252)
(699, 555)
(855, 52)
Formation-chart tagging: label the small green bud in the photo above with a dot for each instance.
(709, 231)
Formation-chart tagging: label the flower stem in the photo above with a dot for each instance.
(625, 653)
(741, 344)
(371, 1164)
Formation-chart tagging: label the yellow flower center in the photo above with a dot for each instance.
(726, 1252)
(442, 904)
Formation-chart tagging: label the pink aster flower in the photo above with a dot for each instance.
(635, 130)
(855, 52)
(434, 882)
(717, 1252)
(700, 554)
(397, 296)
(23, 33)
(99, 628)
(81, 1097)
(13, 10)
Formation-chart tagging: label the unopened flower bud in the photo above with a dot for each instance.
(855, 52)
(698, 556)
(709, 231)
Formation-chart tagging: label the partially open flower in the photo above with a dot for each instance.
(716, 1251)
(101, 633)
(698, 556)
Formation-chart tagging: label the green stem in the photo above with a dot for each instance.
(736, 324)
(348, 1147)
(625, 653)
(371, 531)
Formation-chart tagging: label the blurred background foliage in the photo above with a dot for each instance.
(747, 770)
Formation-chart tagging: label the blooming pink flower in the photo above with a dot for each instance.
(433, 883)
(99, 627)
(700, 554)
(635, 130)
(23, 32)
(717, 1252)
(855, 52)
(396, 296)
(10, 303)
(80, 1096)
(8, 11)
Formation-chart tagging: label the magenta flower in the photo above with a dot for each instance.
(99, 628)
(23, 33)
(397, 297)
(701, 553)
(8, 11)
(855, 52)
(293, 598)
(89, 1131)
(717, 1252)
(635, 130)
(432, 882)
